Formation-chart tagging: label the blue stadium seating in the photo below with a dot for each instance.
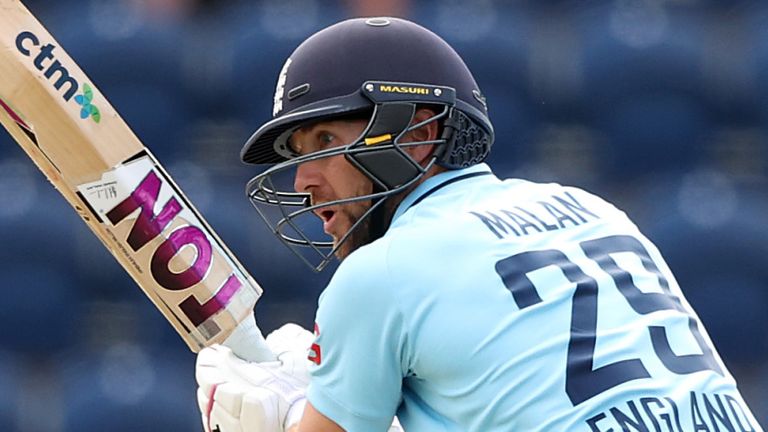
(129, 388)
(636, 77)
(42, 309)
(643, 84)
(40, 286)
(758, 58)
(10, 366)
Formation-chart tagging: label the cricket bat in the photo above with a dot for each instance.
(121, 191)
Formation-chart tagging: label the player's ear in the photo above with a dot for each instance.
(428, 132)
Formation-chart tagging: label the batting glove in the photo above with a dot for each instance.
(239, 396)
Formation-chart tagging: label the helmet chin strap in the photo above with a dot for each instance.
(380, 217)
(384, 209)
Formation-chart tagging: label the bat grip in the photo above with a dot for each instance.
(247, 342)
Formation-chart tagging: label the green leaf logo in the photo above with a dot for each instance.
(88, 109)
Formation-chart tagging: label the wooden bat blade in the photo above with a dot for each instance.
(115, 184)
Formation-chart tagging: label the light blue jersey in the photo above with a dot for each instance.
(512, 306)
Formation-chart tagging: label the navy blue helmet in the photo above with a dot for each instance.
(325, 77)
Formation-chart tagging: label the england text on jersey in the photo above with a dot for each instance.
(556, 212)
(701, 412)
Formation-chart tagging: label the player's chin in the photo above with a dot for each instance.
(342, 252)
(345, 248)
(359, 237)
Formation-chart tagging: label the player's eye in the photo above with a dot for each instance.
(307, 144)
(326, 139)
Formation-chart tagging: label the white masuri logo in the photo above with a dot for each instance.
(278, 106)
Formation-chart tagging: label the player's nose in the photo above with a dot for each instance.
(308, 176)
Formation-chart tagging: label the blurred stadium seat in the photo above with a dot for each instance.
(45, 308)
(643, 84)
(128, 388)
(40, 286)
(631, 48)
(648, 134)
(758, 58)
(10, 366)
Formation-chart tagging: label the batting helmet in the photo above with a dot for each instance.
(382, 68)
(326, 77)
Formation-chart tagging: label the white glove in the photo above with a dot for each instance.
(238, 396)
(291, 344)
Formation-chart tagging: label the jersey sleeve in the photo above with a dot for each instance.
(358, 371)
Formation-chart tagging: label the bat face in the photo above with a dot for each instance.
(116, 185)
(159, 234)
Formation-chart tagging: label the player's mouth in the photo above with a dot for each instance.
(328, 217)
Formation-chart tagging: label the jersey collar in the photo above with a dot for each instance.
(439, 181)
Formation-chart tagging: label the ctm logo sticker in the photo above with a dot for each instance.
(44, 59)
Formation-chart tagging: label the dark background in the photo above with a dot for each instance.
(657, 105)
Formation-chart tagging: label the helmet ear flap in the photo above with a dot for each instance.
(466, 142)
(386, 164)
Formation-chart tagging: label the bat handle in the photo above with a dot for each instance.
(247, 342)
